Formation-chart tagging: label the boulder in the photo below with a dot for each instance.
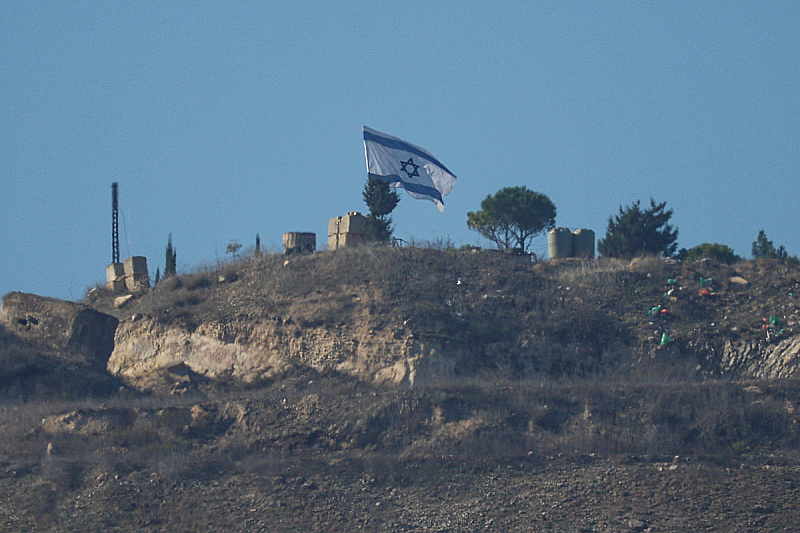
(120, 301)
(58, 324)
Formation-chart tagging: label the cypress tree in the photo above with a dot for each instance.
(170, 268)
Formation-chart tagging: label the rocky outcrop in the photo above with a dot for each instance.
(761, 360)
(53, 349)
(59, 325)
(145, 349)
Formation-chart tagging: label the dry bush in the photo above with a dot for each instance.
(259, 462)
(594, 271)
(607, 418)
(185, 463)
(440, 243)
(201, 280)
(653, 265)
(170, 283)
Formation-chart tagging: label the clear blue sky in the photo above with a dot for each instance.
(223, 120)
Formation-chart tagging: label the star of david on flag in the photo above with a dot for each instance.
(407, 166)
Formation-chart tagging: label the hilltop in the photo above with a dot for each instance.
(407, 315)
(409, 390)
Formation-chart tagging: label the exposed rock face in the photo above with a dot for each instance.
(58, 324)
(145, 349)
(762, 361)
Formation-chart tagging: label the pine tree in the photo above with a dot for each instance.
(512, 217)
(381, 200)
(257, 250)
(763, 248)
(634, 232)
(170, 268)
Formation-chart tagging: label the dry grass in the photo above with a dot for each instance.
(287, 426)
(573, 327)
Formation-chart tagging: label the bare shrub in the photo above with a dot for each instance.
(170, 283)
(184, 297)
(651, 264)
(66, 473)
(181, 464)
(439, 243)
(262, 462)
(200, 280)
(589, 270)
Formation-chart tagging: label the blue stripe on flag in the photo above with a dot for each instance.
(397, 144)
(412, 187)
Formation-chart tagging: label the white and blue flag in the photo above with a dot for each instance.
(407, 166)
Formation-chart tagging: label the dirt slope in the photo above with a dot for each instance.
(419, 390)
(324, 453)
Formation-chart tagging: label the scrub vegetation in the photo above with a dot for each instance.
(566, 413)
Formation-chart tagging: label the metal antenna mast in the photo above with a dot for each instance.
(114, 223)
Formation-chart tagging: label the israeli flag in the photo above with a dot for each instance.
(407, 166)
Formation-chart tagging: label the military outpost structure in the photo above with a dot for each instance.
(564, 242)
(348, 231)
(299, 243)
(131, 274)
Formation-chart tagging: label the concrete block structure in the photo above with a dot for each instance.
(563, 243)
(583, 243)
(559, 243)
(136, 275)
(115, 277)
(299, 243)
(348, 231)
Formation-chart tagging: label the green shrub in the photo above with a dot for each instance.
(718, 252)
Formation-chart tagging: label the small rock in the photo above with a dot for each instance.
(119, 301)
(636, 525)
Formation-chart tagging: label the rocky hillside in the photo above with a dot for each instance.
(407, 390)
(419, 315)
(408, 316)
(54, 349)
